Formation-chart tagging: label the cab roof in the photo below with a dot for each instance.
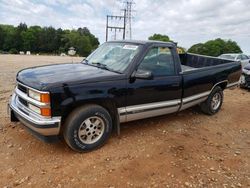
(143, 42)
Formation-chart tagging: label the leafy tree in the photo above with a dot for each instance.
(79, 41)
(2, 36)
(181, 50)
(17, 36)
(92, 39)
(35, 39)
(13, 51)
(46, 39)
(165, 38)
(9, 32)
(160, 37)
(29, 40)
(215, 47)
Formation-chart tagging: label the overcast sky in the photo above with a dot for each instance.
(185, 21)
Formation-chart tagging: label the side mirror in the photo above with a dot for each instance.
(143, 74)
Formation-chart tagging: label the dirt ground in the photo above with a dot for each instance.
(188, 149)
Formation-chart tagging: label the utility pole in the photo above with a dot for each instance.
(128, 6)
(115, 28)
(126, 17)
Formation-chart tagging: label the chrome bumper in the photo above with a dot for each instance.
(37, 124)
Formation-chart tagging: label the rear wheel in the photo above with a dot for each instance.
(214, 102)
(87, 128)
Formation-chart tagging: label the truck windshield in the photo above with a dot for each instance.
(113, 56)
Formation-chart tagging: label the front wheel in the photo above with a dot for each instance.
(87, 128)
(214, 102)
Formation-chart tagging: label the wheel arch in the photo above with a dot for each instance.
(221, 84)
(107, 104)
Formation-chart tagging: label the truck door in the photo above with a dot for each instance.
(156, 95)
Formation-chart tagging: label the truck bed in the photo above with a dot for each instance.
(187, 68)
(191, 62)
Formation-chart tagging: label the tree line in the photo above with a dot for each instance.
(47, 40)
(211, 48)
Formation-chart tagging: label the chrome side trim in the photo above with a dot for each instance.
(30, 100)
(195, 97)
(193, 100)
(198, 98)
(141, 111)
(37, 120)
(151, 113)
(232, 84)
(122, 114)
(193, 103)
(152, 105)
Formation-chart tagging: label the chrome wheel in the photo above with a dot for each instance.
(216, 101)
(91, 130)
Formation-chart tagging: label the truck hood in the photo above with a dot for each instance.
(44, 77)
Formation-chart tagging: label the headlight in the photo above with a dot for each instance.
(34, 95)
(42, 111)
(34, 108)
(42, 97)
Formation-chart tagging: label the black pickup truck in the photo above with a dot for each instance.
(120, 81)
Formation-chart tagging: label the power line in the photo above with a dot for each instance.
(115, 27)
(128, 6)
(126, 19)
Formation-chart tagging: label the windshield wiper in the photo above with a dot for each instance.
(103, 66)
(85, 61)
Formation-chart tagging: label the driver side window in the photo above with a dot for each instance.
(159, 61)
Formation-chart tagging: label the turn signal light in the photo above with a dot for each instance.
(44, 97)
(46, 112)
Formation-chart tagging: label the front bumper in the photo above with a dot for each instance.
(245, 81)
(46, 129)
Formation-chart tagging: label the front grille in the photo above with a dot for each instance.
(22, 88)
(247, 77)
(27, 103)
(22, 101)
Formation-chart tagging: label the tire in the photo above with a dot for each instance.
(210, 107)
(87, 128)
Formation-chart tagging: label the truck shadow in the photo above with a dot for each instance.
(131, 130)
